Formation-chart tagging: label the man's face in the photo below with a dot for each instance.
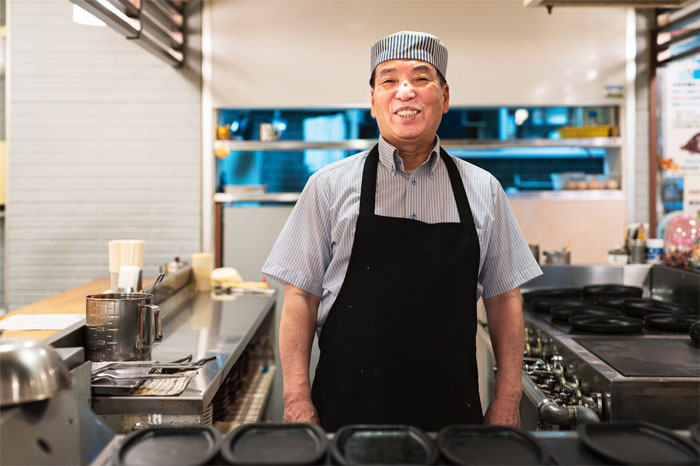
(408, 101)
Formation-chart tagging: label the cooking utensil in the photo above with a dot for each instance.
(382, 444)
(557, 257)
(543, 293)
(122, 326)
(30, 371)
(105, 375)
(674, 322)
(156, 283)
(474, 444)
(275, 443)
(603, 324)
(565, 313)
(192, 445)
(611, 291)
(637, 443)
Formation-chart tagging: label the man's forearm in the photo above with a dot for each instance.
(296, 334)
(506, 329)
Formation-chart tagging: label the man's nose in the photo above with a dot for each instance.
(405, 91)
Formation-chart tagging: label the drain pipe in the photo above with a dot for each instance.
(552, 413)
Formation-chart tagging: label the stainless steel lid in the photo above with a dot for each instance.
(30, 371)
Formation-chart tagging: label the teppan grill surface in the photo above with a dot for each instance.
(651, 374)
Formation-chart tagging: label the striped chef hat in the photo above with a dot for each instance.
(411, 45)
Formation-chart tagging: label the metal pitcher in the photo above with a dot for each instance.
(122, 326)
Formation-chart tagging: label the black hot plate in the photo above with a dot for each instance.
(603, 324)
(566, 312)
(611, 291)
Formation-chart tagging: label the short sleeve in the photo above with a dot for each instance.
(302, 252)
(508, 262)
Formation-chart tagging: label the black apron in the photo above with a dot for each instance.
(398, 345)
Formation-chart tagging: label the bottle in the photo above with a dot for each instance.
(654, 251)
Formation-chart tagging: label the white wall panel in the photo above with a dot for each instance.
(315, 53)
(104, 143)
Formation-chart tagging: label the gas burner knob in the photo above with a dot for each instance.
(586, 388)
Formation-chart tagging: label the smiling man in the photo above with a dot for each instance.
(397, 244)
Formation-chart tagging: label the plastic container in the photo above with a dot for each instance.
(599, 131)
(655, 250)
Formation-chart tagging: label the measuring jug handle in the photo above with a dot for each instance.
(145, 328)
(159, 323)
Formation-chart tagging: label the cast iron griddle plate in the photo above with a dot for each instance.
(565, 313)
(573, 293)
(275, 443)
(603, 324)
(383, 444)
(641, 307)
(474, 444)
(616, 301)
(678, 322)
(694, 431)
(547, 304)
(611, 291)
(646, 357)
(638, 443)
(695, 333)
(169, 445)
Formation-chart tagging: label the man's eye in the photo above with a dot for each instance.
(388, 81)
(422, 79)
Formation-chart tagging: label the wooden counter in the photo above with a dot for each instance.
(71, 301)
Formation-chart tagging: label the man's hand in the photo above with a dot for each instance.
(300, 411)
(502, 413)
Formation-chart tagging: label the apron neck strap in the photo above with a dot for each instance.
(369, 185)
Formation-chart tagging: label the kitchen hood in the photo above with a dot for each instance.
(617, 3)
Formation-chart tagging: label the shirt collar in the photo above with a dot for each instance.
(389, 156)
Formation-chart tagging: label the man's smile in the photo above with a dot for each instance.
(407, 112)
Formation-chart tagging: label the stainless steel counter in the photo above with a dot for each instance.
(201, 326)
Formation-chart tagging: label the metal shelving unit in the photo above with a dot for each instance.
(363, 144)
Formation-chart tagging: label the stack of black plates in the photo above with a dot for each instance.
(559, 293)
(637, 443)
(474, 444)
(169, 445)
(377, 444)
(275, 443)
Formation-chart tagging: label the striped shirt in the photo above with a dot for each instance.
(313, 249)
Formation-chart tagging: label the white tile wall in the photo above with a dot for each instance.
(104, 143)
(644, 19)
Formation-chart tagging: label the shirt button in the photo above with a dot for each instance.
(413, 215)
(413, 181)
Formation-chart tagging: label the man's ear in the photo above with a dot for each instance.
(371, 100)
(446, 98)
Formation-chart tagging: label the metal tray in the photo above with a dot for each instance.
(114, 388)
(474, 444)
(192, 445)
(638, 443)
(382, 444)
(275, 443)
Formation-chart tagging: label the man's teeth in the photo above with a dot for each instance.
(406, 113)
